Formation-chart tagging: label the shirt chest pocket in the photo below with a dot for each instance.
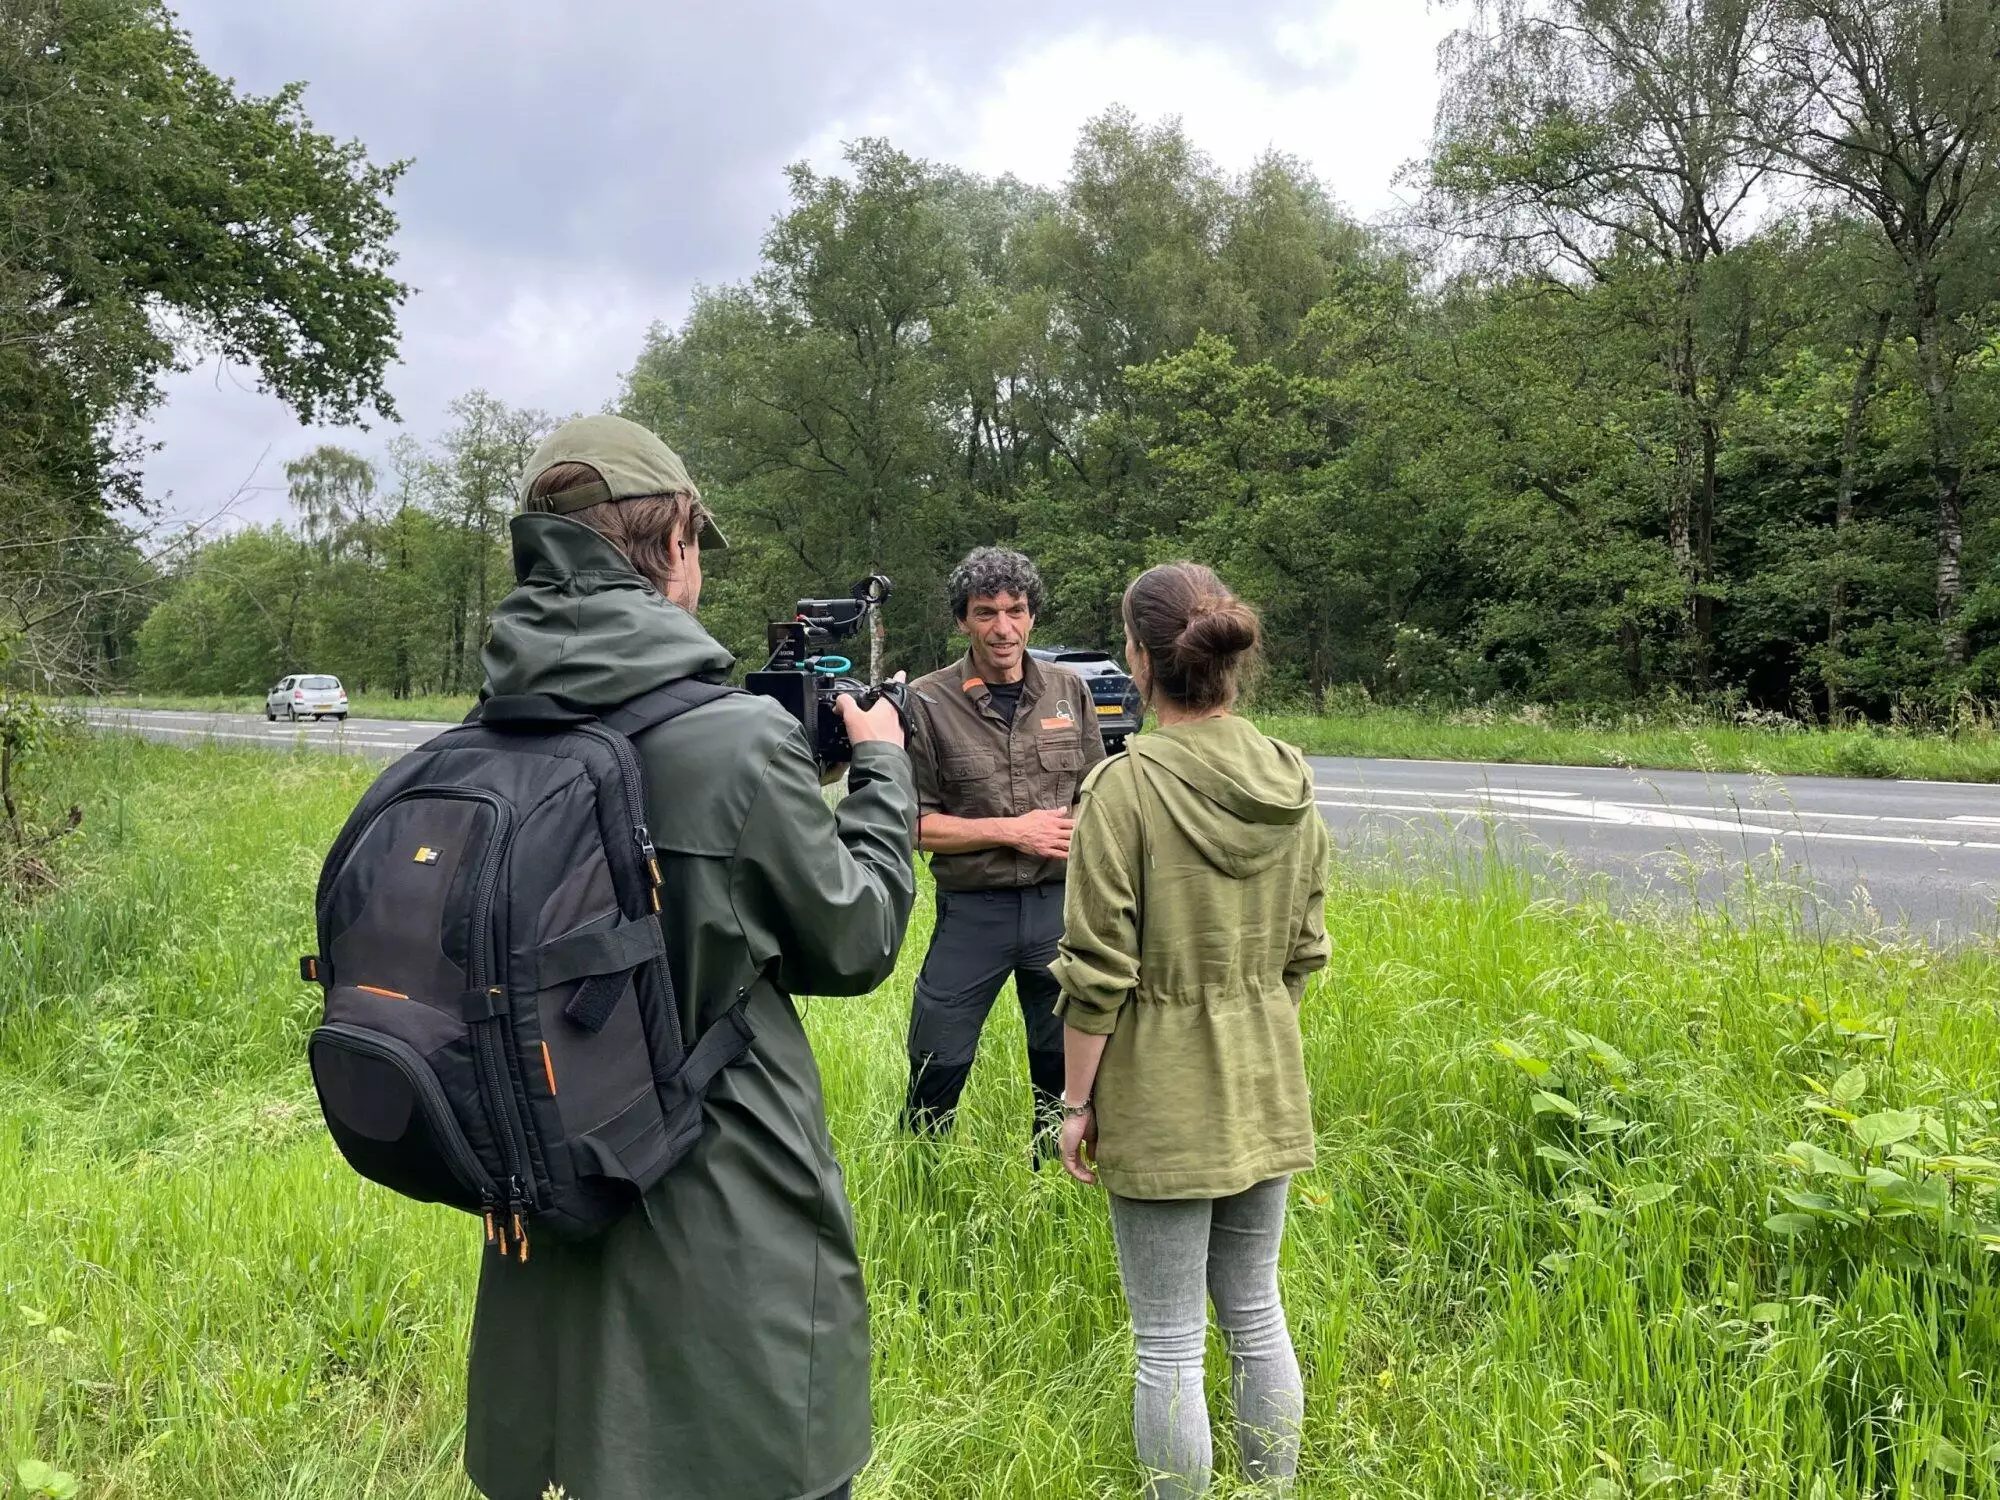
(963, 768)
(1059, 753)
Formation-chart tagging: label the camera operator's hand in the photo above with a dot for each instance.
(881, 723)
(1043, 833)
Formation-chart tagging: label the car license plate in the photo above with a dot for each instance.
(1111, 710)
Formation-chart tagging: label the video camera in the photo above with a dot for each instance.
(806, 678)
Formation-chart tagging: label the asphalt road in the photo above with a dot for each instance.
(1918, 855)
(1846, 852)
(379, 739)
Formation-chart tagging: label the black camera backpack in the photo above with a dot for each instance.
(500, 1031)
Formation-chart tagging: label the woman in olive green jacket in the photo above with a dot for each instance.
(1194, 914)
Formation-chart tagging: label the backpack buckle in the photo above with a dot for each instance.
(309, 968)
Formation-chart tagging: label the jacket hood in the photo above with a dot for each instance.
(583, 625)
(1237, 794)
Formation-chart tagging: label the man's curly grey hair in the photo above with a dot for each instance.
(988, 572)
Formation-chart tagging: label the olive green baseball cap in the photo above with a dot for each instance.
(629, 461)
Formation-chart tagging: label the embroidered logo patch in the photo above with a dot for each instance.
(426, 855)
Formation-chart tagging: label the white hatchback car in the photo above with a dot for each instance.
(295, 697)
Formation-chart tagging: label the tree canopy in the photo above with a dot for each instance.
(154, 214)
(1682, 384)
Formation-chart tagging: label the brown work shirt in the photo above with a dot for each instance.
(970, 764)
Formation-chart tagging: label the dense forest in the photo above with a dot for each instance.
(1679, 378)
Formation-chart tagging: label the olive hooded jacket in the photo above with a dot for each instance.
(715, 1343)
(1194, 915)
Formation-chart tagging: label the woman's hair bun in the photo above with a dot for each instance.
(1218, 627)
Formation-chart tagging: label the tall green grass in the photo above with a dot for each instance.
(1535, 1259)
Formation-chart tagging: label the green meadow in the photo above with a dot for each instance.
(1609, 1202)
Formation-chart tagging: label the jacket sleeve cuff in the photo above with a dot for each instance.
(1081, 1015)
(878, 760)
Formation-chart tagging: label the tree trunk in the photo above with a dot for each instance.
(877, 636)
(1704, 557)
(286, 636)
(13, 813)
(454, 670)
(1684, 503)
(1843, 510)
(1680, 513)
(482, 565)
(1945, 471)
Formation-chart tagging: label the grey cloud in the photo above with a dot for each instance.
(629, 131)
(622, 146)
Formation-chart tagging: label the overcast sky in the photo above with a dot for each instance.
(579, 170)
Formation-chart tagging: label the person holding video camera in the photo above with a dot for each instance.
(1000, 743)
(713, 1341)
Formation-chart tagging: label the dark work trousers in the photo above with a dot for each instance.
(981, 938)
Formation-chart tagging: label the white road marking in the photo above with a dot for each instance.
(1724, 812)
(272, 734)
(1619, 812)
(1450, 812)
(1424, 791)
(1514, 806)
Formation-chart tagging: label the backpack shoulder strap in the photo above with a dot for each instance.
(668, 701)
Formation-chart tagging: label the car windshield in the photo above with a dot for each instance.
(320, 684)
(1087, 663)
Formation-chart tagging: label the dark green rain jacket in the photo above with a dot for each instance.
(716, 1344)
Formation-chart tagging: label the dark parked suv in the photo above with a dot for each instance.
(1119, 712)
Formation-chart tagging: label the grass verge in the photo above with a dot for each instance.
(1689, 743)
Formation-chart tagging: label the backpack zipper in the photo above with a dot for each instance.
(634, 778)
(490, 1039)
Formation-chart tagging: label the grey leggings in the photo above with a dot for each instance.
(1174, 1255)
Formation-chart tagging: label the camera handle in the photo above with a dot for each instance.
(897, 693)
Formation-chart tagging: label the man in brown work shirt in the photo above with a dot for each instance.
(1000, 743)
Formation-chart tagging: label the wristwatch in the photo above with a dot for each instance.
(1071, 1111)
